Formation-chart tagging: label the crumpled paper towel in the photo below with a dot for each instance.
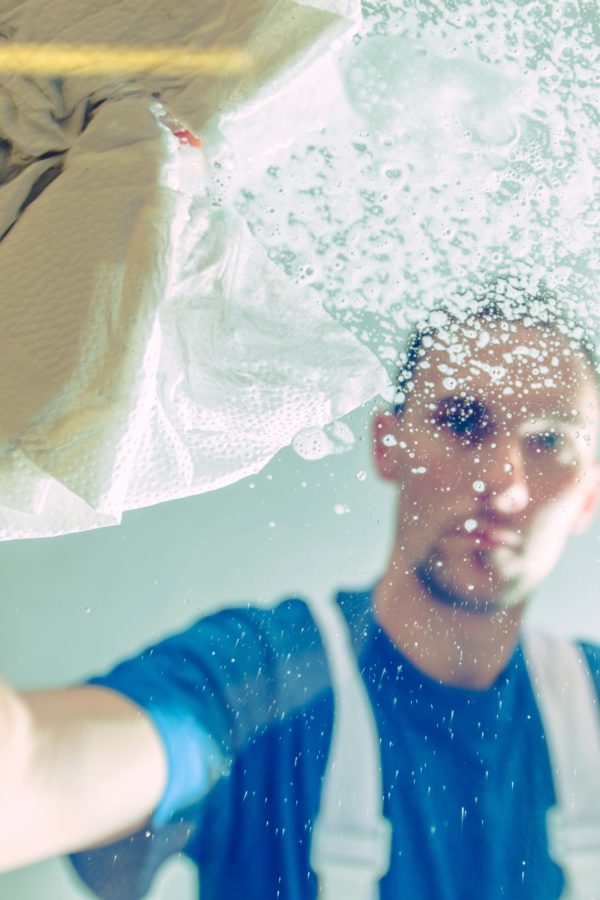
(149, 349)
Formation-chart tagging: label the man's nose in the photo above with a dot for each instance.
(506, 490)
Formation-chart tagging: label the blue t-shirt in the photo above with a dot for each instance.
(244, 705)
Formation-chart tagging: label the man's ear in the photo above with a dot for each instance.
(591, 501)
(386, 431)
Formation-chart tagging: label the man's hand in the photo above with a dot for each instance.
(78, 767)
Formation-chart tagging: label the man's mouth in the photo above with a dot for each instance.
(489, 536)
(496, 537)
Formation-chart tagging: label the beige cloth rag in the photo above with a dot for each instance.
(149, 348)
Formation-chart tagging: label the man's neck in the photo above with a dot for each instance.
(452, 645)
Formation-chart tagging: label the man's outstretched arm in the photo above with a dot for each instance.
(79, 767)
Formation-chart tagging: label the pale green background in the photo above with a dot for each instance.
(72, 606)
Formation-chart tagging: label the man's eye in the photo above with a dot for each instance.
(547, 441)
(467, 419)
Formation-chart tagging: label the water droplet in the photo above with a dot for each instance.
(340, 509)
(316, 443)
(361, 476)
(479, 486)
(470, 525)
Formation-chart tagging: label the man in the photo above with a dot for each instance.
(216, 741)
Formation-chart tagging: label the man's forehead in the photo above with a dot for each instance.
(537, 365)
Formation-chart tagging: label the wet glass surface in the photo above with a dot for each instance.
(435, 150)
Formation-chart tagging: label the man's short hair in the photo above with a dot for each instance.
(540, 310)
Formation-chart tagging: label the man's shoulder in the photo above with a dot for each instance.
(288, 623)
(252, 637)
(285, 623)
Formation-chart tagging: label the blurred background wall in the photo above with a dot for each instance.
(72, 606)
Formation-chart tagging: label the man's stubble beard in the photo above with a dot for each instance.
(443, 592)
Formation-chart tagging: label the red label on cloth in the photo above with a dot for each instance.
(187, 137)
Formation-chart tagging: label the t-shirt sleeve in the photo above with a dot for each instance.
(209, 691)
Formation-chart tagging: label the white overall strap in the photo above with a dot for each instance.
(351, 840)
(568, 704)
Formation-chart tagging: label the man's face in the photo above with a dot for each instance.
(494, 453)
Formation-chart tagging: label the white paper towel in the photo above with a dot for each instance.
(149, 349)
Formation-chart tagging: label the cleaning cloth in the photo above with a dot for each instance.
(150, 348)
